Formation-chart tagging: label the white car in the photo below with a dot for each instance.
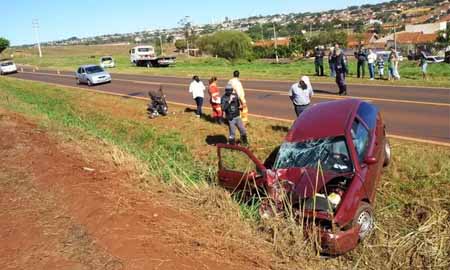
(435, 59)
(91, 75)
(107, 62)
(7, 66)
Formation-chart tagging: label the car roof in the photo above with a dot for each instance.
(326, 119)
(86, 66)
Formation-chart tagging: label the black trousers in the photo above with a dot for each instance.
(340, 81)
(300, 108)
(319, 68)
(199, 102)
(361, 68)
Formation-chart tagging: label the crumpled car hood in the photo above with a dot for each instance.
(304, 182)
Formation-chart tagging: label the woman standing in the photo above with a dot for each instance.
(214, 93)
(197, 88)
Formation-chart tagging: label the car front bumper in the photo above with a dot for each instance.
(340, 242)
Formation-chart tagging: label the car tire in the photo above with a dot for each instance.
(364, 218)
(78, 81)
(387, 153)
(89, 83)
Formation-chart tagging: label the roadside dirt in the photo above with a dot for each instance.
(60, 210)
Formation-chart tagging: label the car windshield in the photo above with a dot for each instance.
(106, 59)
(143, 49)
(330, 152)
(4, 64)
(94, 69)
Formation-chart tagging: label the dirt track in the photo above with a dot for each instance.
(57, 213)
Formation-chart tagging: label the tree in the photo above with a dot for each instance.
(227, 44)
(181, 44)
(4, 43)
(443, 39)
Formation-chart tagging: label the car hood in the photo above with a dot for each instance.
(99, 74)
(304, 182)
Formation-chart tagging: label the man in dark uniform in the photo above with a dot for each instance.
(318, 61)
(341, 71)
(361, 58)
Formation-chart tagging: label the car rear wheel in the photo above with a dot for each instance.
(387, 153)
(78, 81)
(364, 218)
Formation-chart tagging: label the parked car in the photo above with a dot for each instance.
(435, 59)
(107, 62)
(91, 75)
(447, 56)
(328, 168)
(385, 55)
(7, 66)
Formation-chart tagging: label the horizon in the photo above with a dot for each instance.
(59, 21)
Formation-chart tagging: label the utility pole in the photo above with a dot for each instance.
(161, 44)
(276, 43)
(35, 23)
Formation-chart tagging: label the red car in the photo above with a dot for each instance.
(328, 166)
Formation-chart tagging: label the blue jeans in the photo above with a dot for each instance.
(371, 70)
(232, 124)
(199, 102)
(332, 70)
(300, 108)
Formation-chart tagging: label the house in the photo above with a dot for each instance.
(428, 28)
(408, 41)
(356, 40)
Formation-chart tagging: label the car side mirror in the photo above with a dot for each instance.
(370, 160)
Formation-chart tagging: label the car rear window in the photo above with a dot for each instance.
(106, 59)
(143, 49)
(4, 64)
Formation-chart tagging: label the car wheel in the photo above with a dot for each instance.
(89, 83)
(387, 153)
(78, 81)
(364, 218)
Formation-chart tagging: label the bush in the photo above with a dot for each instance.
(4, 43)
(227, 44)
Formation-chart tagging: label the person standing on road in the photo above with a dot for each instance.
(341, 71)
(239, 90)
(332, 63)
(361, 58)
(371, 58)
(214, 93)
(231, 107)
(300, 94)
(423, 64)
(318, 61)
(197, 88)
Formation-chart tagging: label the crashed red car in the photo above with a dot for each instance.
(330, 164)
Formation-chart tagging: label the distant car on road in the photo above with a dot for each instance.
(107, 62)
(385, 55)
(7, 66)
(91, 75)
(326, 171)
(435, 59)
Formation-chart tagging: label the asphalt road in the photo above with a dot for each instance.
(413, 112)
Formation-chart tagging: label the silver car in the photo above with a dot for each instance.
(91, 75)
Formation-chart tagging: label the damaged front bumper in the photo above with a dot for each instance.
(339, 242)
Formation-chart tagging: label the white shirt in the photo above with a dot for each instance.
(371, 58)
(197, 89)
(300, 96)
(238, 88)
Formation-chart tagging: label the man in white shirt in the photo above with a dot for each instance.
(371, 58)
(300, 94)
(197, 88)
(239, 90)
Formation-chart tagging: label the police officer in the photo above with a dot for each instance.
(318, 61)
(341, 70)
(361, 57)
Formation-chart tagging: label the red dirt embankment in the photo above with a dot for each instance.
(58, 213)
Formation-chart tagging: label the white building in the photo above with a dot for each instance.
(429, 28)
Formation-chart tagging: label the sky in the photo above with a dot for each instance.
(61, 19)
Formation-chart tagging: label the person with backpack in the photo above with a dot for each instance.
(239, 90)
(231, 107)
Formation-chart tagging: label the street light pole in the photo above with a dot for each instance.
(161, 44)
(35, 23)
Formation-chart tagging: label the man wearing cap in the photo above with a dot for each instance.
(230, 106)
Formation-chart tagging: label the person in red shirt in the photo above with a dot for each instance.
(215, 101)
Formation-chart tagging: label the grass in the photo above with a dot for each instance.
(70, 57)
(412, 209)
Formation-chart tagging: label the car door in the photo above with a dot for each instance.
(83, 75)
(239, 169)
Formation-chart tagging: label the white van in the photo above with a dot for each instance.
(142, 55)
(7, 66)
